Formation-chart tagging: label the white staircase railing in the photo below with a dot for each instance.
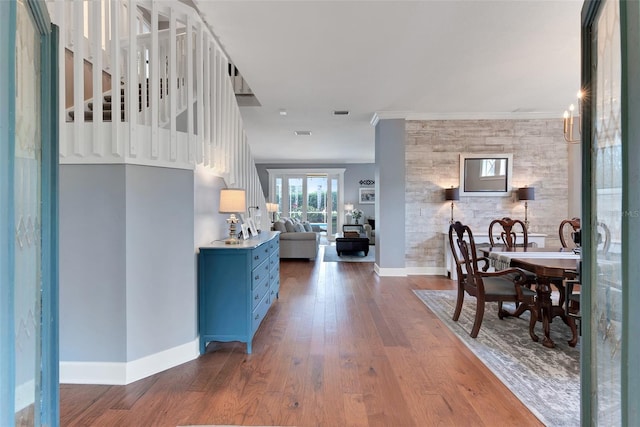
(172, 102)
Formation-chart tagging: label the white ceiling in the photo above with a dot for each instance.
(410, 59)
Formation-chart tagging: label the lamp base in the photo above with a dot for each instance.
(232, 240)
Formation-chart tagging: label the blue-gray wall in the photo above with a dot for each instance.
(127, 275)
(390, 193)
(92, 263)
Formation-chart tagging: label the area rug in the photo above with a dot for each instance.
(546, 380)
(330, 255)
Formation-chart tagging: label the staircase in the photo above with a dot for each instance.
(107, 103)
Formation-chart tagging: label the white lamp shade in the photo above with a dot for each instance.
(272, 207)
(348, 206)
(232, 200)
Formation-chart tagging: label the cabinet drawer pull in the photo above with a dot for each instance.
(257, 296)
(256, 257)
(257, 317)
(257, 277)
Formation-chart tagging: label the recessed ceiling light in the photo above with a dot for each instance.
(283, 112)
(303, 132)
(340, 112)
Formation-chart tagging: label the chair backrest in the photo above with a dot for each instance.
(463, 248)
(503, 232)
(603, 237)
(570, 235)
(567, 232)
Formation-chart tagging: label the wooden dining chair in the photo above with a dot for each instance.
(500, 286)
(504, 231)
(568, 230)
(572, 298)
(570, 235)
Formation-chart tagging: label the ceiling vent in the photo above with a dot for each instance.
(340, 112)
(303, 132)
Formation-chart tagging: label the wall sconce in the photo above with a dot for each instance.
(349, 208)
(526, 194)
(232, 200)
(452, 194)
(568, 122)
(272, 208)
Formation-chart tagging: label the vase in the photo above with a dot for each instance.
(356, 221)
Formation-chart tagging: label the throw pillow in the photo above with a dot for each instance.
(307, 226)
(289, 226)
(279, 226)
(299, 227)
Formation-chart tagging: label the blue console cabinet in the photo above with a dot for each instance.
(236, 286)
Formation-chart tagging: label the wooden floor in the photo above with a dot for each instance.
(341, 347)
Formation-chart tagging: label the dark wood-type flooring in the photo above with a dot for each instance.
(341, 347)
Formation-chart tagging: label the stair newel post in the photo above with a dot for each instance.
(189, 85)
(116, 64)
(61, 9)
(96, 52)
(78, 77)
(173, 86)
(215, 117)
(200, 95)
(207, 103)
(154, 80)
(131, 79)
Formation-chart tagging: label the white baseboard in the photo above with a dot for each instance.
(426, 271)
(389, 272)
(410, 271)
(122, 373)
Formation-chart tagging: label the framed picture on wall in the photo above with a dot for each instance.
(367, 195)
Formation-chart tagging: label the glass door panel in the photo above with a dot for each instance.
(317, 201)
(606, 206)
(333, 229)
(295, 198)
(28, 219)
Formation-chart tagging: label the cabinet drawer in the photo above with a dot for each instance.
(259, 292)
(274, 290)
(274, 261)
(259, 312)
(259, 254)
(259, 274)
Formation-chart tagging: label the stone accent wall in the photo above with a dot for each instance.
(433, 147)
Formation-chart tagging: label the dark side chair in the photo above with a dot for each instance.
(569, 233)
(503, 232)
(500, 286)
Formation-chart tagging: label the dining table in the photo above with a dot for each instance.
(551, 268)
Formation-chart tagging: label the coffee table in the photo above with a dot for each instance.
(352, 244)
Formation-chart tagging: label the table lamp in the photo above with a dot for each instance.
(272, 208)
(349, 208)
(526, 194)
(452, 194)
(232, 200)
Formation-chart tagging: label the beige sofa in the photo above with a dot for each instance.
(297, 240)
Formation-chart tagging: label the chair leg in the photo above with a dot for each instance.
(533, 319)
(479, 315)
(458, 310)
(502, 313)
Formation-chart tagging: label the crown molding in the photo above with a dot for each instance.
(408, 115)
